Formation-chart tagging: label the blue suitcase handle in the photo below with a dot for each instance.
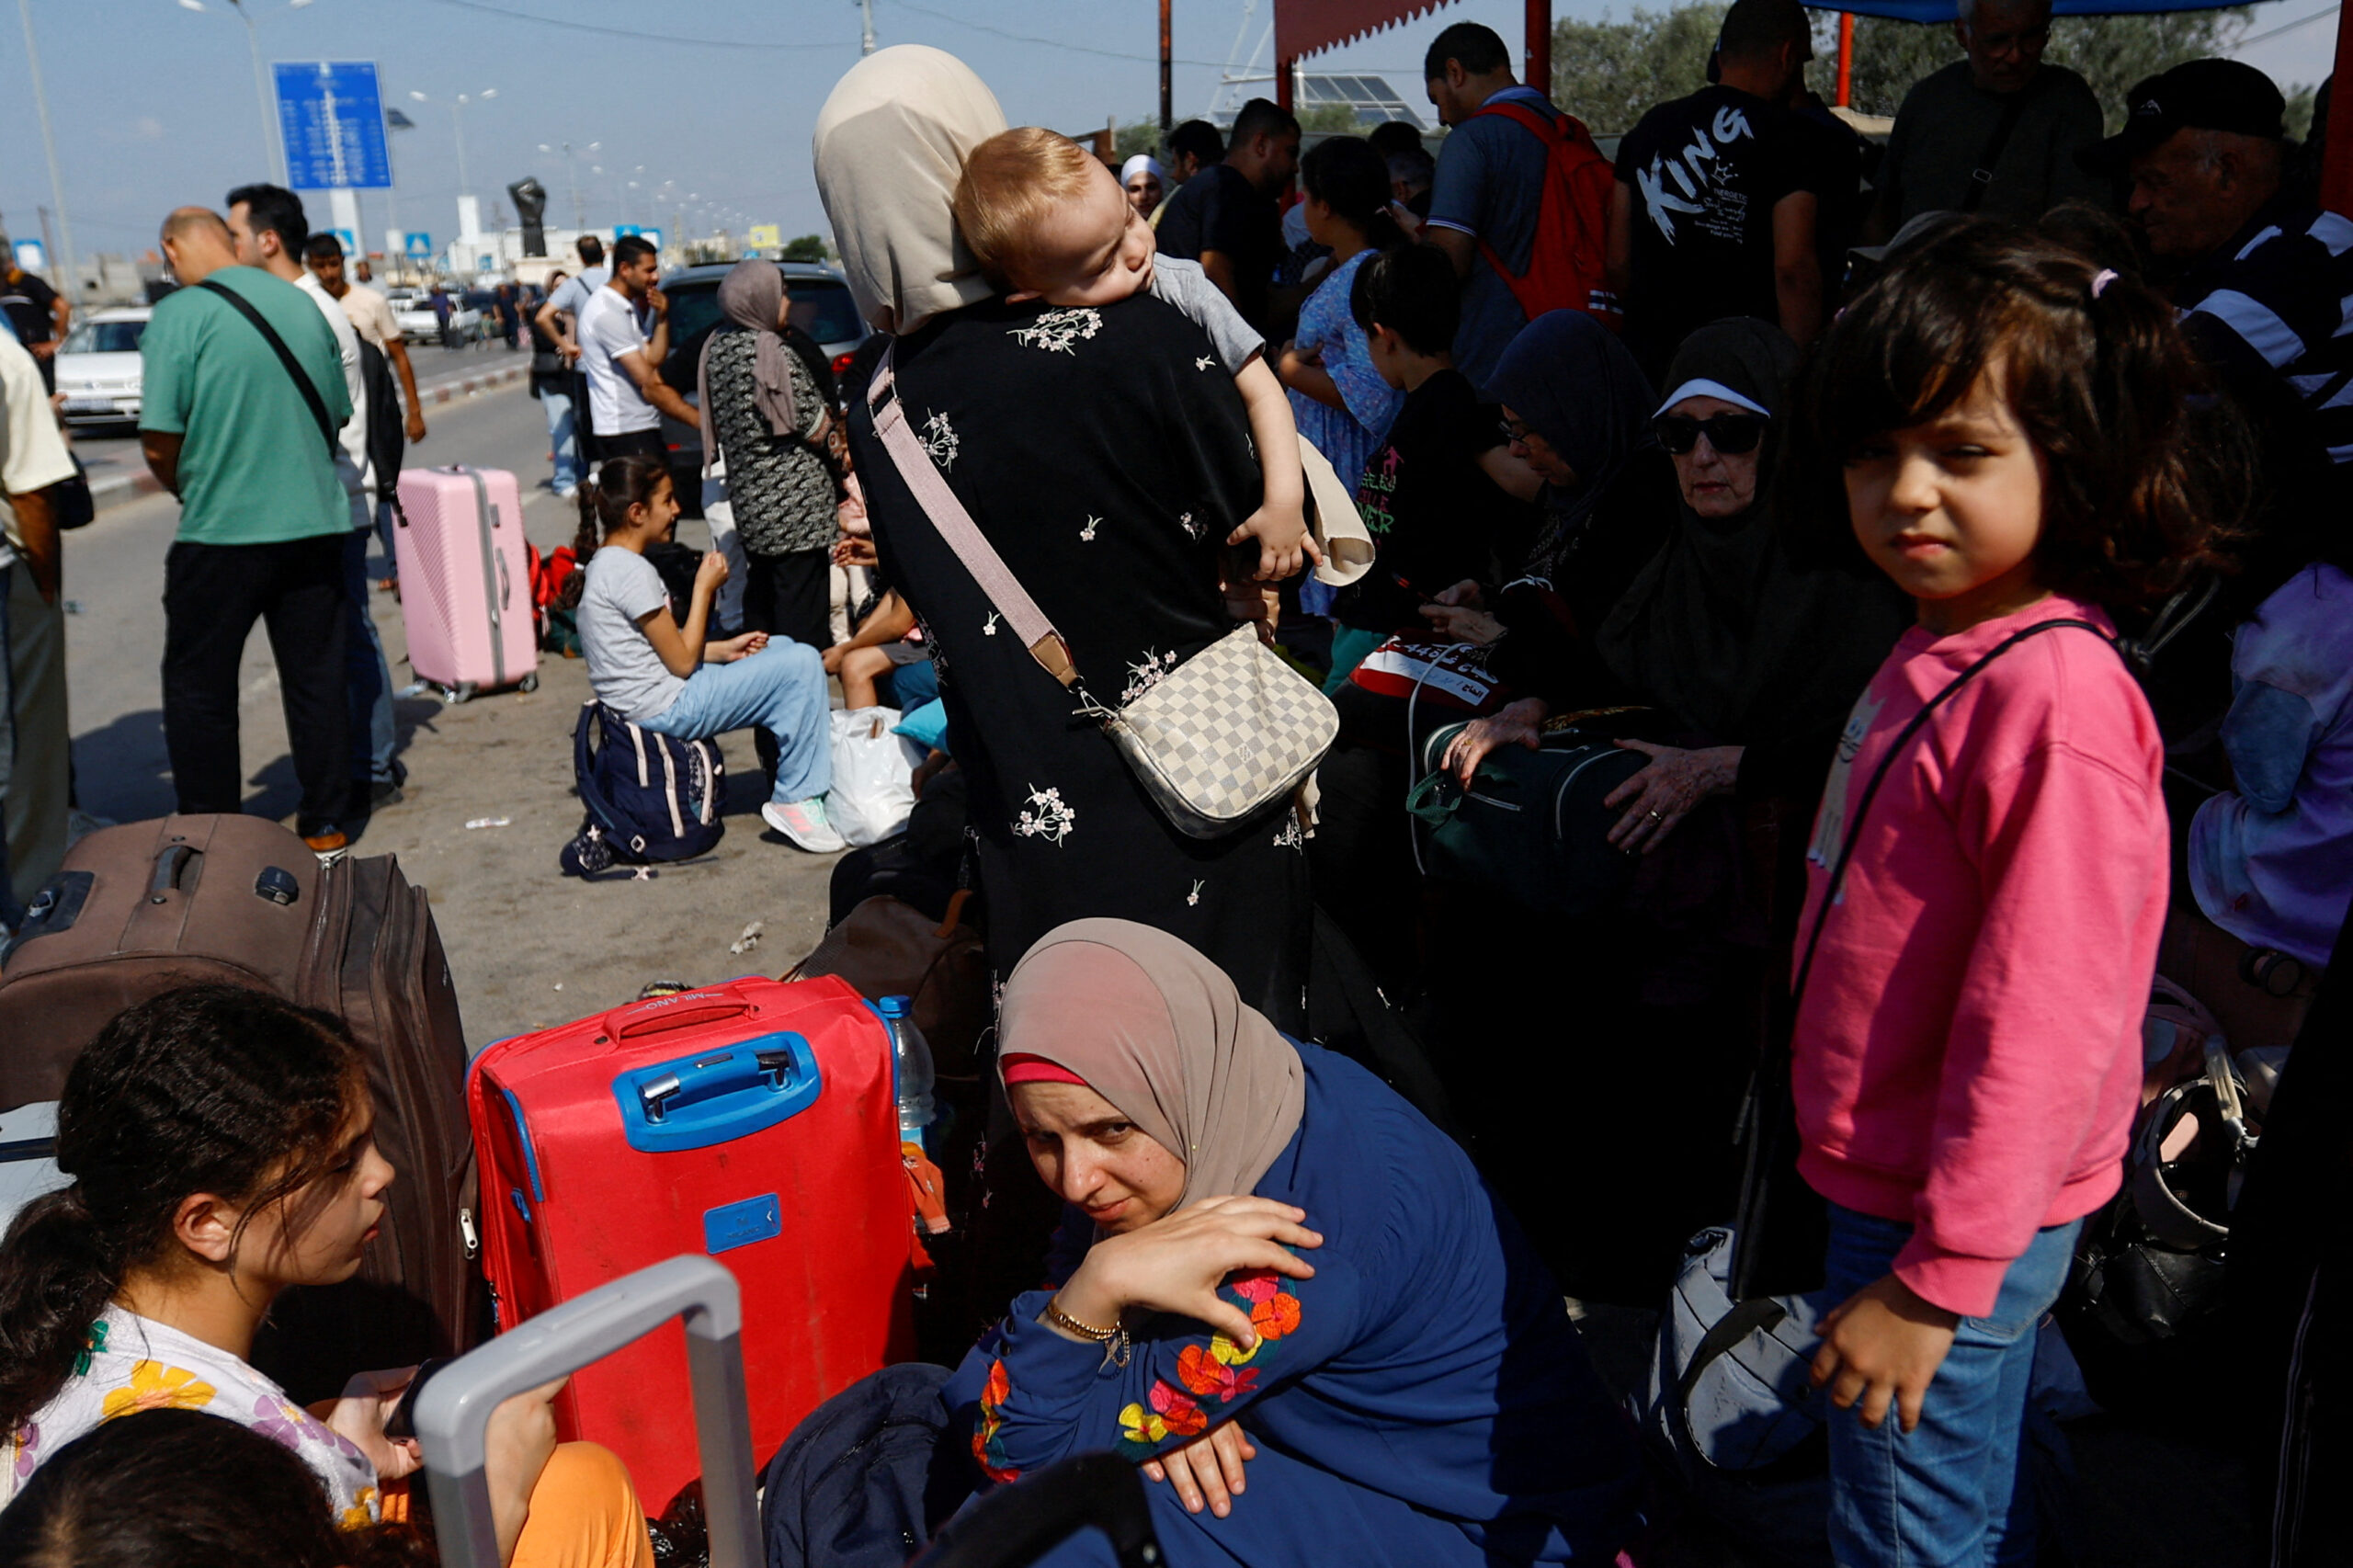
(718, 1095)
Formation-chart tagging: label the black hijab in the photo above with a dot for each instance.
(1720, 627)
(1570, 382)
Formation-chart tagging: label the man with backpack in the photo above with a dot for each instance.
(1520, 202)
(1714, 211)
(271, 232)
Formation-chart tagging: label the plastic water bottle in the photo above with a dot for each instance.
(913, 1058)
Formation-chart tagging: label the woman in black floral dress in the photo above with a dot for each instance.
(1106, 454)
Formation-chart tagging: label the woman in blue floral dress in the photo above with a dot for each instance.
(1339, 399)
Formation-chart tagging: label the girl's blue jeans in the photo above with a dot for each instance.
(1950, 1493)
(781, 689)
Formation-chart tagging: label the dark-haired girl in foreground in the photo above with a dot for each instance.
(2005, 428)
(222, 1146)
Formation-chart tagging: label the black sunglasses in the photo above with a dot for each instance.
(1730, 434)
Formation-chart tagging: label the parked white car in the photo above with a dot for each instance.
(414, 314)
(97, 366)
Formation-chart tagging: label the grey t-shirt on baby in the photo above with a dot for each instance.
(628, 674)
(1184, 285)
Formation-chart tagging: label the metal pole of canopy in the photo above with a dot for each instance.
(2337, 167)
(1846, 58)
(1540, 46)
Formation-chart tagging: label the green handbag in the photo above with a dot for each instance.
(1531, 826)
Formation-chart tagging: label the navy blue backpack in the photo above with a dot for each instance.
(650, 798)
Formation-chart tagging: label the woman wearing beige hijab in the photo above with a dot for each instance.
(1297, 1304)
(1105, 453)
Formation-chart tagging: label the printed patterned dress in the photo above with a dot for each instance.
(1106, 454)
(1349, 436)
(135, 1363)
(1422, 1400)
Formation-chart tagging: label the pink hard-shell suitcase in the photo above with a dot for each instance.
(465, 580)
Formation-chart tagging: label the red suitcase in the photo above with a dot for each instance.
(754, 1121)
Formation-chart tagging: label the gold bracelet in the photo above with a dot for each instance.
(1114, 1339)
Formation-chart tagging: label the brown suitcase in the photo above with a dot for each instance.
(147, 906)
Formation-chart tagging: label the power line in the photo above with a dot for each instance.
(2287, 27)
(571, 25)
(1051, 43)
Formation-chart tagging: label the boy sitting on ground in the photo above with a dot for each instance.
(1047, 221)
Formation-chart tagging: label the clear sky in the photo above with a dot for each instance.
(154, 104)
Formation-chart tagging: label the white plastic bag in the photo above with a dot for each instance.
(873, 777)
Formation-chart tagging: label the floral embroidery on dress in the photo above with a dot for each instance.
(988, 1447)
(1056, 330)
(1185, 521)
(1047, 816)
(1171, 1416)
(1292, 835)
(1194, 898)
(154, 1386)
(1212, 1375)
(939, 440)
(1086, 534)
(1204, 363)
(1145, 674)
(988, 627)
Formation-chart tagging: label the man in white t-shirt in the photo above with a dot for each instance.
(627, 396)
(270, 231)
(560, 316)
(370, 315)
(33, 768)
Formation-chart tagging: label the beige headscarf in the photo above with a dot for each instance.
(890, 145)
(1159, 1031)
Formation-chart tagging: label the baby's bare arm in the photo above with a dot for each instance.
(1280, 525)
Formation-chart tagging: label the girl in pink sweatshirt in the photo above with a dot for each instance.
(2005, 425)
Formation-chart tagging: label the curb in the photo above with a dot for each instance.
(118, 488)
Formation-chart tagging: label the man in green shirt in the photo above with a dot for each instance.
(263, 517)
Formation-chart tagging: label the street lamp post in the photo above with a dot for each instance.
(273, 150)
(62, 264)
(572, 176)
(456, 123)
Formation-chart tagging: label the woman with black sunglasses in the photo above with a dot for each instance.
(1751, 659)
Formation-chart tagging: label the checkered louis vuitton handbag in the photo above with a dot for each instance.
(1220, 738)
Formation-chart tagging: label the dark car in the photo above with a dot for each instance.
(826, 312)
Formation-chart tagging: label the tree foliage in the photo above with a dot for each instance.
(808, 247)
(1608, 73)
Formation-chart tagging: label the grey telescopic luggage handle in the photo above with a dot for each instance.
(453, 1413)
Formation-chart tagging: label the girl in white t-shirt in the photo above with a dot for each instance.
(654, 673)
(221, 1144)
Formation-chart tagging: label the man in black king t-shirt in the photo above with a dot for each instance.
(1714, 211)
(1429, 496)
(1224, 217)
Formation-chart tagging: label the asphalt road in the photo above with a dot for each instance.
(529, 948)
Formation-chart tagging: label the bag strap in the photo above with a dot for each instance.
(1981, 178)
(302, 383)
(1912, 727)
(956, 525)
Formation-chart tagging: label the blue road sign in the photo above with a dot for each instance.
(419, 246)
(348, 239)
(650, 236)
(331, 119)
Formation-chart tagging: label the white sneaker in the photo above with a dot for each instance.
(804, 822)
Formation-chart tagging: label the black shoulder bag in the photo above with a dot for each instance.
(311, 398)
